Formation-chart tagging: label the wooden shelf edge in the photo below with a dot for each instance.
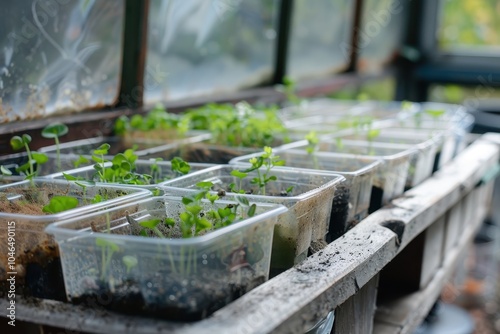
(417, 305)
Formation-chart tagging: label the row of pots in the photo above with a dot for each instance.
(103, 258)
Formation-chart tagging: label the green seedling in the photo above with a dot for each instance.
(240, 176)
(180, 166)
(156, 119)
(269, 161)
(152, 224)
(98, 157)
(81, 161)
(406, 105)
(130, 262)
(5, 171)
(312, 147)
(339, 143)
(55, 131)
(290, 90)
(121, 125)
(108, 248)
(59, 204)
(240, 125)
(372, 134)
(18, 143)
(191, 222)
(82, 184)
(435, 113)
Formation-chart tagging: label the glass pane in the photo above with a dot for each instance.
(469, 24)
(381, 33)
(58, 55)
(469, 96)
(203, 47)
(320, 37)
(380, 89)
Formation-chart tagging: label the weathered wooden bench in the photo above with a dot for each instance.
(383, 276)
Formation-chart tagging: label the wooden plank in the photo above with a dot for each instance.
(404, 314)
(290, 303)
(421, 206)
(433, 250)
(453, 223)
(355, 315)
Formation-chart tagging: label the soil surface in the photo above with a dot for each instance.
(376, 199)
(169, 296)
(340, 210)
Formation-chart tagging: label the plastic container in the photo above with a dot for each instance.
(422, 163)
(352, 197)
(36, 260)
(145, 149)
(309, 205)
(454, 123)
(316, 107)
(205, 152)
(173, 278)
(390, 179)
(162, 172)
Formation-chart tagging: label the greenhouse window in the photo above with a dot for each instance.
(320, 38)
(381, 32)
(59, 56)
(469, 26)
(204, 47)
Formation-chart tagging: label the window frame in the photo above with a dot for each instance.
(99, 121)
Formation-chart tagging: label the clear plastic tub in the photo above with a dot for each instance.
(205, 152)
(422, 163)
(454, 123)
(390, 179)
(163, 172)
(447, 138)
(352, 197)
(173, 278)
(309, 205)
(145, 149)
(316, 107)
(36, 260)
(326, 107)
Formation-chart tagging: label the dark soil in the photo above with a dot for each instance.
(376, 199)
(32, 199)
(171, 297)
(435, 166)
(39, 273)
(212, 154)
(38, 265)
(338, 218)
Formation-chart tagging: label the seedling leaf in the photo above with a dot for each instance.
(129, 261)
(152, 223)
(251, 210)
(40, 158)
(54, 130)
(16, 143)
(5, 171)
(243, 200)
(59, 204)
(238, 174)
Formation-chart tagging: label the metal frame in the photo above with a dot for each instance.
(437, 66)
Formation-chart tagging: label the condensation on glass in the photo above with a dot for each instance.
(204, 47)
(469, 25)
(58, 56)
(320, 37)
(382, 27)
